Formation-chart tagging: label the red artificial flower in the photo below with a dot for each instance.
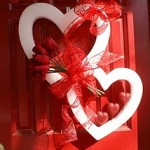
(44, 59)
(51, 46)
(38, 70)
(38, 49)
(39, 64)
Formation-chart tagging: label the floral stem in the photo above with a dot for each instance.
(93, 90)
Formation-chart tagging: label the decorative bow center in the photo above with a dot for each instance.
(69, 63)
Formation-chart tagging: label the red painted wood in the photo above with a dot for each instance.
(27, 107)
(5, 92)
(142, 44)
(14, 1)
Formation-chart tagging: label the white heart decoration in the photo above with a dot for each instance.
(128, 110)
(43, 10)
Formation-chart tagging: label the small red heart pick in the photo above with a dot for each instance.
(102, 117)
(112, 109)
(123, 98)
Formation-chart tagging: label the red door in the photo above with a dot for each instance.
(28, 111)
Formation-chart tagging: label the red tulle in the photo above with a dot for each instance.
(77, 74)
(105, 10)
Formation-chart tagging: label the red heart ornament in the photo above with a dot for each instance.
(113, 109)
(123, 98)
(102, 117)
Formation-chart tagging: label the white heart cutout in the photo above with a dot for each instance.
(43, 10)
(128, 110)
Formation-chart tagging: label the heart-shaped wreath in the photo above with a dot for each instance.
(68, 70)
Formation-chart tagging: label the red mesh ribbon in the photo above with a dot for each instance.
(77, 73)
(105, 10)
(68, 130)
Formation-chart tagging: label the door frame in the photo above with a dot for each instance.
(142, 48)
(5, 93)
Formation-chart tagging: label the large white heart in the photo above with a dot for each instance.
(42, 10)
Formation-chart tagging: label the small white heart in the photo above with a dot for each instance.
(128, 110)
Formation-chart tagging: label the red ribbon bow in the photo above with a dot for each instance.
(76, 73)
(69, 63)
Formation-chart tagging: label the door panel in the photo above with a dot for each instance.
(5, 105)
(31, 110)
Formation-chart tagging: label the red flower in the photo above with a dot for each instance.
(51, 46)
(38, 70)
(45, 60)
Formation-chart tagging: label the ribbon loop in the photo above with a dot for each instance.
(107, 11)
